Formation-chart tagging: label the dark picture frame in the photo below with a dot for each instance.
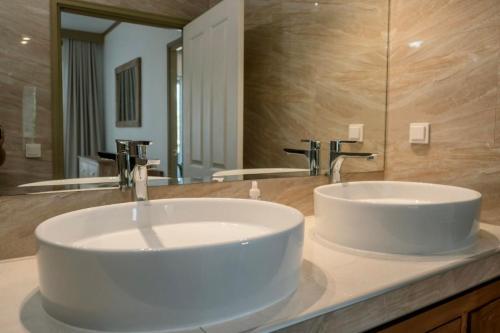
(128, 94)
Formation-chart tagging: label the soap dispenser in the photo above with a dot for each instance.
(254, 192)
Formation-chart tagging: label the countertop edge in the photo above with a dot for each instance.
(398, 302)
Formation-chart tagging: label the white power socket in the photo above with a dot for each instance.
(420, 133)
(33, 150)
(356, 132)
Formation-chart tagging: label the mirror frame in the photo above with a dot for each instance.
(89, 9)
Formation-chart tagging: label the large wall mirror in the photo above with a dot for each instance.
(220, 97)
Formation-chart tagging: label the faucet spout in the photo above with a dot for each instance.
(337, 158)
(140, 183)
(336, 165)
(135, 175)
(297, 151)
(140, 174)
(312, 154)
(123, 164)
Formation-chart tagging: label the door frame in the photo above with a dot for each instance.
(90, 9)
(172, 105)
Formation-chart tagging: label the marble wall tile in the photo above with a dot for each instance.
(20, 66)
(20, 215)
(450, 80)
(444, 69)
(29, 65)
(212, 3)
(497, 114)
(309, 72)
(186, 9)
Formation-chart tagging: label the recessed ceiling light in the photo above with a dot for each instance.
(24, 42)
(26, 38)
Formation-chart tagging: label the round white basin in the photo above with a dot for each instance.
(397, 217)
(168, 264)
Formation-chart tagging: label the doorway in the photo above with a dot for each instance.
(175, 82)
(105, 13)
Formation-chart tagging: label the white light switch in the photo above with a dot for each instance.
(419, 133)
(33, 150)
(356, 132)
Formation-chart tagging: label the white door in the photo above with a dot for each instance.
(213, 91)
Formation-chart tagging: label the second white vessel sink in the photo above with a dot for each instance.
(397, 217)
(168, 264)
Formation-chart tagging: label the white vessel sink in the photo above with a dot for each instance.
(397, 217)
(168, 264)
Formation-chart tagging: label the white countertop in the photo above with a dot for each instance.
(332, 279)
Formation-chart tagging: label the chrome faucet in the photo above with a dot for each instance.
(132, 162)
(123, 164)
(312, 154)
(337, 157)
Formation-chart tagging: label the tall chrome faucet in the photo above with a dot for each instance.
(312, 154)
(337, 157)
(132, 162)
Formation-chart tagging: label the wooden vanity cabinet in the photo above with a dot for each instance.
(486, 318)
(474, 311)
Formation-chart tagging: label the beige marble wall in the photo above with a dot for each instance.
(310, 71)
(21, 214)
(29, 65)
(24, 65)
(451, 81)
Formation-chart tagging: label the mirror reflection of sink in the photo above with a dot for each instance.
(168, 264)
(83, 181)
(397, 217)
(239, 173)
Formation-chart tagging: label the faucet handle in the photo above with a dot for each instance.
(344, 141)
(122, 145)
(141, 142)
(335, 145)
(313, 144)
(138, 149)
(153, 164)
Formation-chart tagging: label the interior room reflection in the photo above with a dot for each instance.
(384, 220)
(247, 104)
(107, 81)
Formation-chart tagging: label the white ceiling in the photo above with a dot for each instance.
(71, 21)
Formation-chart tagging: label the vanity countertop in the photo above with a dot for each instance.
(340, 290)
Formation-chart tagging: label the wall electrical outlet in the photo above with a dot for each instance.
(33, 150)
(356, 132)
(419, 133)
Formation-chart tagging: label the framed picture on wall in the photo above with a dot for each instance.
(128, 94)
